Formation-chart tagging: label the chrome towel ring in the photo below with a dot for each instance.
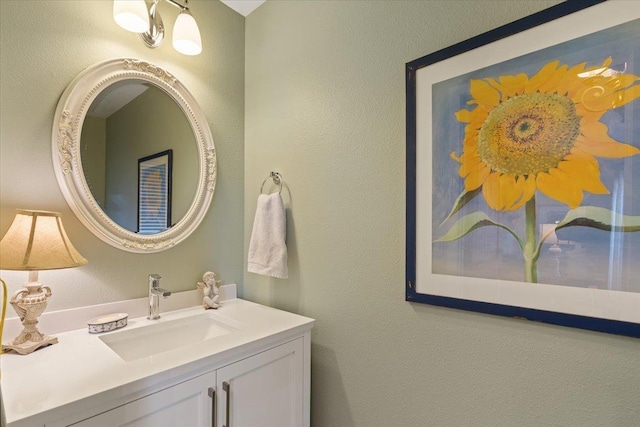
(277, 180)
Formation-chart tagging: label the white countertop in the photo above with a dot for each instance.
(81, 370)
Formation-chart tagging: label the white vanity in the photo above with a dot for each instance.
(243, 365)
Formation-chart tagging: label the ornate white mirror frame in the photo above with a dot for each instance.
(66, 148)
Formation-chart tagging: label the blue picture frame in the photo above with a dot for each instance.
(444, 211)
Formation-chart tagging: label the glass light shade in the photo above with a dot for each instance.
(186, 35)
(36, 240)
(132, 15)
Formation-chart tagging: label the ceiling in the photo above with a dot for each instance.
(243, 7)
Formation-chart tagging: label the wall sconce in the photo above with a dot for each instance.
(139, 17)
(35, 241)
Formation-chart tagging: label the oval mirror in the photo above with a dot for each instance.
(133, 155)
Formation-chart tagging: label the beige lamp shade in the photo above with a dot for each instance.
(36, 240)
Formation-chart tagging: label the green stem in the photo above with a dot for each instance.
(530, 244)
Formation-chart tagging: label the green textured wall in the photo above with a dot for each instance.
(325, 95)
(43, 46)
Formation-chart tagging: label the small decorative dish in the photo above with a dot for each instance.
(107, 323)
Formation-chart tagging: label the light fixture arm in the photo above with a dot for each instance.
(153, 38)
(182, 8)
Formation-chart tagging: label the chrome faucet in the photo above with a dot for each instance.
(155, 291)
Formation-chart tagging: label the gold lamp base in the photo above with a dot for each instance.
(30, 303)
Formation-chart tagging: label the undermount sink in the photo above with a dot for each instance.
(165, 335)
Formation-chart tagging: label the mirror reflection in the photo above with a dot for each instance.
(128, 122)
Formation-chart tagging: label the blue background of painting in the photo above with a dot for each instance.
(590, 257)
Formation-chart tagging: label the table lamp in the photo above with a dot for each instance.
(35, 241)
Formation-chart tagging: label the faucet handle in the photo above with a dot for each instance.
(154, 281)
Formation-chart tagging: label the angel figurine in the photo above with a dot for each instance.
(210, 289)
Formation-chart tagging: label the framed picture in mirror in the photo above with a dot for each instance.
(154, 192)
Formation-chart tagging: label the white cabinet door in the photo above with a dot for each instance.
(184, 404)
(265, 390)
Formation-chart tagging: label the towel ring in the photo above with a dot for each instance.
(277, 180)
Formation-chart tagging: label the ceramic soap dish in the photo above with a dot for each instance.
(109, 322)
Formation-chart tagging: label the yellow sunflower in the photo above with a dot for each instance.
(542, 133)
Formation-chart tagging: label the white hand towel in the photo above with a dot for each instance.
(267, 247)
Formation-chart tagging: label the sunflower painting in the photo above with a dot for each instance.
(539, 178)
